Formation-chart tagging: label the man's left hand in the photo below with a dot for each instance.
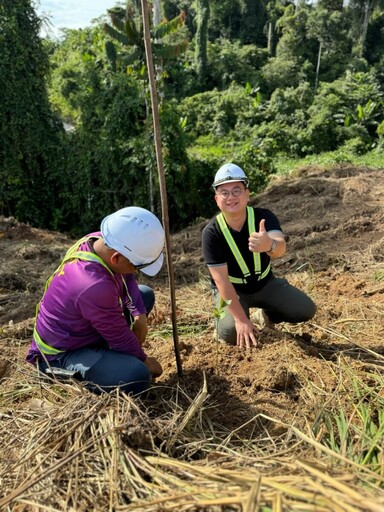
(260, 241)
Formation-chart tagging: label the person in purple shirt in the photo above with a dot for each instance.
(92, 319)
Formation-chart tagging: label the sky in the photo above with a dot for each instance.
(72, 13)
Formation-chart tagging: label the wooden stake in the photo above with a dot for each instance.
(160, 168)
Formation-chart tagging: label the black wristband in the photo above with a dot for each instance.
(273, 247)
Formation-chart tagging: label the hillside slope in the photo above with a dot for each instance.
(335, 222)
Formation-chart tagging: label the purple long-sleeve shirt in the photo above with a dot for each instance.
(83, 306)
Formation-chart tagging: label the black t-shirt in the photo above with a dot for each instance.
(216, 250)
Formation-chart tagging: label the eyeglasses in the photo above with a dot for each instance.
(236, 192)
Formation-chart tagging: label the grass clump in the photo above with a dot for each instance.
(373, 159)
(79, 451)
(351, 424)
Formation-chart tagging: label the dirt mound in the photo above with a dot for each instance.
(282, 421)
(327, 214)
(334, 220)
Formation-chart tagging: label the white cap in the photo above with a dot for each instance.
(229, 173)
(138, 235)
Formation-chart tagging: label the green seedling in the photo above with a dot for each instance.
(219, 313)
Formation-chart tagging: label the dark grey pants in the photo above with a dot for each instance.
(281, 302)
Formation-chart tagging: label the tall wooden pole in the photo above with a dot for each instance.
(160, 168)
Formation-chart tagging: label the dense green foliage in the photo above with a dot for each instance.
(240, 80)
(31, 146)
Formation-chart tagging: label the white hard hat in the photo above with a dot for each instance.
(229, 172)
(138, 235)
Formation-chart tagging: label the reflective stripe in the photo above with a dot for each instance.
(86, 256)
(265, 273)
(73, 254)
(235, 250)
(60, 267)
(240, 280)
(237, 280)
(232, 245)
(90, 256)
(43, 347)
(252, 229)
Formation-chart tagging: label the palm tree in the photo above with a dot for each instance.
(127, 28)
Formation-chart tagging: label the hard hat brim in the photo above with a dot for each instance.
(231, 180)
(153, 268)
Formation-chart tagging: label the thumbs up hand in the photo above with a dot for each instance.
(259, 241)
(262, 226)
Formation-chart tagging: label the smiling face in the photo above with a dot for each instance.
(232, 197)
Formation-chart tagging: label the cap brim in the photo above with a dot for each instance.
(232, 180)
(154, 267)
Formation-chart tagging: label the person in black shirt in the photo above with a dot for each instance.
(238, 245)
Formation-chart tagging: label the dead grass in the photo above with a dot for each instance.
(296, 425)
(77, 451)
(66, 449)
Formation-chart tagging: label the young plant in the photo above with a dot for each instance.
(219, 313)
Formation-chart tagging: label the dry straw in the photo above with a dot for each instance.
(66, 449)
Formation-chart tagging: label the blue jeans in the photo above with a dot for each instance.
(102, 369)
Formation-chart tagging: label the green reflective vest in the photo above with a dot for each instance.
(72, 254)
(237, 254)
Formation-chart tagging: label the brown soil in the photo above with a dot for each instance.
(334, 220)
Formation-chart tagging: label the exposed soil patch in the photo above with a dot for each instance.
(334, 220)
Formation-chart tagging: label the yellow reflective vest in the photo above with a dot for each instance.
(72, 254)
(237, 254)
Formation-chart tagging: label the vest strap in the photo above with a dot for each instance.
(43, 347)
(232, 245)
(74, 254)
(236, 252)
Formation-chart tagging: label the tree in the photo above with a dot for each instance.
(110, 152)
(238, 20)
(331, 5)
(127, 30)
(230, 61)
(328, 28)
(31, 136)
(350, 107)
(368, 8)
(295, 54)
(361, 12)
(374, 43)
(107, 158)
(201, 41)
(222, 17)
(250, 28)
(274, 9)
